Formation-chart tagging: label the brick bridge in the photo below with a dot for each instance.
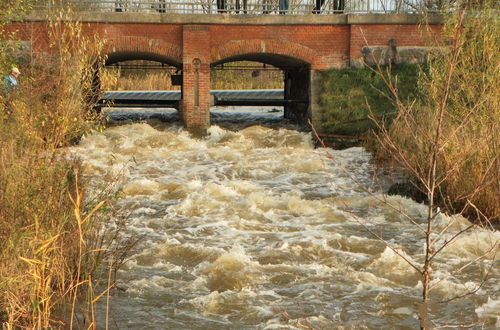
(302, 46)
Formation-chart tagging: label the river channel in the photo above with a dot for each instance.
(252, 227)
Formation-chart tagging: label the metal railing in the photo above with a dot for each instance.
(241, 7)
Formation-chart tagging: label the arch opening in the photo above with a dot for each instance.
(277, 60)
(292, 78)
(141, 85)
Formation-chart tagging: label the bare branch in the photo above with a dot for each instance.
(386, 243)
(466, 265)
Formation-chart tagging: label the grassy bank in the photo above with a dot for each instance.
(441, 119)
(52, 236)
(350, 96)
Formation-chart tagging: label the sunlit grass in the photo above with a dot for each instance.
(53, 236)
(237, 75)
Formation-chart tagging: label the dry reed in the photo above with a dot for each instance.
(447, 141)
(52, 236)
(244, 77)
(460, 97)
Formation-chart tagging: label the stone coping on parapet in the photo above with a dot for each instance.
(231, 19)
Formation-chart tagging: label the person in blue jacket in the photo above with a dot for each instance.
(10, 80)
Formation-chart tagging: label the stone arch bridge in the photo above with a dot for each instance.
(302, 46)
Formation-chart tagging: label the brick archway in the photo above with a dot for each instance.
(294, 59)
(127, 47)
(236, 48)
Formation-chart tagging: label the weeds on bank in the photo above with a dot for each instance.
(53, 237)
(452, 131)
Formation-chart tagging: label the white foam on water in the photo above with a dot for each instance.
(395, 267)
(490, 311)
(368, 281)
(232, 271)
(228, 301)
(241, 227)
(470, 245)
(140, 187)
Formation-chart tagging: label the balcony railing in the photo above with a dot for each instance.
(243, 7)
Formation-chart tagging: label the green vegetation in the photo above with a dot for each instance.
(13, 9)
(350, 96)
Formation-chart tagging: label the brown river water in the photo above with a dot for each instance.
(255, 228)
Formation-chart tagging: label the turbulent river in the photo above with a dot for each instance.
(255, 228)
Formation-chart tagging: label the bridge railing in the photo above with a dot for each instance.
(241, 7)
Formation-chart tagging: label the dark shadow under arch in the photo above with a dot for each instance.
(122, 56)
(278, 60)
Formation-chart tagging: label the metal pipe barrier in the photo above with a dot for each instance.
(243, 7)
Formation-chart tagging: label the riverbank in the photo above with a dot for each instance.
(447, 138)
(52, 235)
(350, 97)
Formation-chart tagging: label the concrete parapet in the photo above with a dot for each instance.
(308, 19)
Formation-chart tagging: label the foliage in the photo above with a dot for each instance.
(461, 99)
(349, 94)
(52, 235)
(11, 10)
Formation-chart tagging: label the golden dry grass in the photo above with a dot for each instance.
(52, 236)
(448, 140)
(245, 77)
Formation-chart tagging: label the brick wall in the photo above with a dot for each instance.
(322, 46)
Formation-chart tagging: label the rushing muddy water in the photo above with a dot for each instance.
(257, 229)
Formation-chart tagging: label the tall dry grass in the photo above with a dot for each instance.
(53, 237)
(452, 133)
(137, 79)
(447, 143)
(244, 77)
